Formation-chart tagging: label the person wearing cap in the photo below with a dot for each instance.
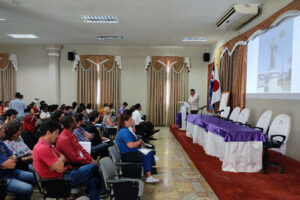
(19, 105)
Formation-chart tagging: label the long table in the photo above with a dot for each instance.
(238, 147)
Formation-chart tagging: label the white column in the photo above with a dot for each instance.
(54, 73)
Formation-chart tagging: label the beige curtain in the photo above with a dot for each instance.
(178, 91)
(110, 85)
(87, 86)
(159, 112)
(7, 79)
(156, 84)
(103, 68)
(233, 76)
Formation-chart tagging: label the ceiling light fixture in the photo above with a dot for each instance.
(110, 37)
(23, 36)
(195, 39)
(2, 19)
(99, 19)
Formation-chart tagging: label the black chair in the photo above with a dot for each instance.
(111, 132)
(3, 188)
(277, 136)
(55, 187)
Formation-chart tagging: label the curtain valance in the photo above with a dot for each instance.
(8, 59)
(87, 62)
(177, 63)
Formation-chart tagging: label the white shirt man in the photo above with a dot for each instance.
(193, 101)
(137, 117)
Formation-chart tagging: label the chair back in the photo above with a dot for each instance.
(108, 169)
(264, 120)
(38, 181)
(235, 114)
(281, 125)
(116, 146)
(114, 154)
(244, 116)
(226, 112)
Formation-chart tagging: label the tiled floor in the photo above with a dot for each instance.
(179, 178)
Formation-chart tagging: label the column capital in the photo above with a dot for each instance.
(54, 49)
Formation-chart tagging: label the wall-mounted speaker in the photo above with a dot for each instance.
(206, 57)
(71, 56)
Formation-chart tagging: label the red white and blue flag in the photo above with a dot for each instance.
(214, 90)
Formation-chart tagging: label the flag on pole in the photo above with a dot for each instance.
(216, 89)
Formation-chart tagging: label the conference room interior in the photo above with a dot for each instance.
(134, 67)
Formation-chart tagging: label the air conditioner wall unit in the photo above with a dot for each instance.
(237, 16)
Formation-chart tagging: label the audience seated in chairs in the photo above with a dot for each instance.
(107, 120)
(16, 144)
(29, 133)
(145, 129)
(89, 108)
(129, 145)
(91, 128)
(18, 182)
(49, 163)
(44, 112)
(84, 136)
(34, 110)
(68, 111)
(9, 115)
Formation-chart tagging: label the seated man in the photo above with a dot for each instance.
(84, 136)
(67, 143)
(49, 163)
(145, 129)
(18, 182)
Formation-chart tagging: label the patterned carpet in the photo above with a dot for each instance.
(179, 178)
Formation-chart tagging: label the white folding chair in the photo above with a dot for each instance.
(264, 121)
(243, 116)
(226, 112)
(235, 114)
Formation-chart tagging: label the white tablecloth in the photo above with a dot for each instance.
(235, 156)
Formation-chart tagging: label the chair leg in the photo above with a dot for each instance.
(265, 160)
(274, 164)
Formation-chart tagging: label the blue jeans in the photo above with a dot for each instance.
(148, 161)
(21, 184)
(87, 175)
(98, 148)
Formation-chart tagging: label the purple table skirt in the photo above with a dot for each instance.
(229, 131)
(178, 119)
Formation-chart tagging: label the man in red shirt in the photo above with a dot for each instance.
(68, 145)
(49, 163)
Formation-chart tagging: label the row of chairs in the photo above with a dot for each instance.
(276, 134)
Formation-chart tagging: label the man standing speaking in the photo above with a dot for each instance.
(194, 101)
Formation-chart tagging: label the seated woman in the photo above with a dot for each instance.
(18, 182)
(34, 110)
(128, 144)
(29, 133)
(9, 115)
(44, 112)
(107, 120)
(58, 116)
(16, 144)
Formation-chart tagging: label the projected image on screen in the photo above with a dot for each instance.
(273, 59)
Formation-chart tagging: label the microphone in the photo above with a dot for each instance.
(220, 111)
(202, 107)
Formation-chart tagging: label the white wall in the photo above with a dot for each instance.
(32, 77)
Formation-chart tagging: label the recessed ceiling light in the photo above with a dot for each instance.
(26, 36)
(195, 39)
(110, 37)
(99, 19)
(2, 19)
